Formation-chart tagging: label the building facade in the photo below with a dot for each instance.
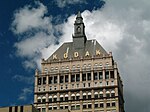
(23, 108)
(79, 76)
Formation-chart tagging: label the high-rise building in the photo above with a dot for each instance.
(79, 76)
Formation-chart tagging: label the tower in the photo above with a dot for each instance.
(79, 76)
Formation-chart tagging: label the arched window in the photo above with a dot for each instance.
(50, 98)
(112, 93)
(55, 98)
(43, 99)
(61, 97)
(101, 94)
(84, 95)
(73, 97)
(77, 96)
(66, 97)
(107, 94)
(39, 99)
(96, 94)
(89, 95)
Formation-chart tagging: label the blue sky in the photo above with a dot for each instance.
(32, 30)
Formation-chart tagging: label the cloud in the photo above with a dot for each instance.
(34, 31)
(25, 79)
(63, 3)
(25, 93)
(29, 18)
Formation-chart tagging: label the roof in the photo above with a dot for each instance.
(90, 47)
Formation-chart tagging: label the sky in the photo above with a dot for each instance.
(33, 29)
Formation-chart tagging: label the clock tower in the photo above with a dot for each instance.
(79, 37)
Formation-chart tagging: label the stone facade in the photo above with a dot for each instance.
(80, 76)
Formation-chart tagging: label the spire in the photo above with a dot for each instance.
(79, 14)
(79, 32)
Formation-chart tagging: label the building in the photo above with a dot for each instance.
(79, 76)
(25, 108)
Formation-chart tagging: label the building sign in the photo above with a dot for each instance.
(76, 54)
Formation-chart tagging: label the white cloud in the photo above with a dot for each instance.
(29, 18)
(25, 79)
(36, 32)
(63, 3)
(25, 93)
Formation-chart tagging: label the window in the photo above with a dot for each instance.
(78, 107)
(66, 97)
(83, 77)
(77, 77)
(89, 76)
(43, 99)
(72, 107)
(50, 99)
(73, 97)
(107, 83)
(84, 106)
(84, 95)
(43, 109)
(66, 86)
(61, 97)
(55, 99)
(16, 108)
(101, 105)
(66, 78)
(50, 88)
(39, 89)
(112, 93)
(10, 109)
(107, 104)
(44, 80)
(55, 87)
(55, 79)
(89, 84)
(89, 106)
(72, 78)
(77, 97)
(39, 110)
(113, 104)
(21, 109)
(96, 105)
(77, 85)
(50, 80)
(66, 107)
(100, 75)
(83, 84)
(112, 74)
(101, 95)
(39, 100)
(89, 96)
(61, 79)
(39, 81)
(107, 94)
(61, 107)
(61, 87)
(95, 76)
(106, 74)
(101, 84)
(49, 108)
(96, 95)
(54, 108)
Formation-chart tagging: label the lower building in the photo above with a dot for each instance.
(24, 108)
